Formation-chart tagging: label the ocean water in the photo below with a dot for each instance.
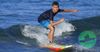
(16, 14)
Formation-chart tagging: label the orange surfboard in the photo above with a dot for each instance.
(57, 48)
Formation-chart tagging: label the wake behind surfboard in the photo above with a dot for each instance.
(58, 48)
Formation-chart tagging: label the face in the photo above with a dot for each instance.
(55, 8)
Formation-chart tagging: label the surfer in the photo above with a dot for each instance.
(46, 19)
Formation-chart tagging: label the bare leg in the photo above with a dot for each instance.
(52, 29)
(51, 33)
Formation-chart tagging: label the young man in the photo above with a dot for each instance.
(46, 19)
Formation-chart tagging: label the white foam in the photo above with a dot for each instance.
(24, 43)
(40, 33)
(35, 32)
(64, 27)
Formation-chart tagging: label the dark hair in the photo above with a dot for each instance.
(55, 3)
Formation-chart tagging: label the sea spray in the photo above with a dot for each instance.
(40, 33)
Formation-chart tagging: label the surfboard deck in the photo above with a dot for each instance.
(57, 48)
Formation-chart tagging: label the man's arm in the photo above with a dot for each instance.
(67, 10)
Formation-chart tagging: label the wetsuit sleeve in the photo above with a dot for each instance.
(51, 17)
(61, 10)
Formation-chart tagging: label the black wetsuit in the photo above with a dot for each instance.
(48, 15)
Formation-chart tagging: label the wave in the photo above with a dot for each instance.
(37, 35)
(28, 34)
(40, 33)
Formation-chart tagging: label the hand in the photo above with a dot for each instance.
(75, 10)
(62, 19)
(58, 22)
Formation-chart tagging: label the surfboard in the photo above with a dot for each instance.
(57, 48)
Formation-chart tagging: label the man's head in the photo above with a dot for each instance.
(55, 6)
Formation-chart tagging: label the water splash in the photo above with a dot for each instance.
(40, 33)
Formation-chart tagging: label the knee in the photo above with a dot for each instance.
(51, 28)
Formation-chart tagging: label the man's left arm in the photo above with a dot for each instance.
(68, 10)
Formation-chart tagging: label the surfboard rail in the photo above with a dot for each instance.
(57, 48)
